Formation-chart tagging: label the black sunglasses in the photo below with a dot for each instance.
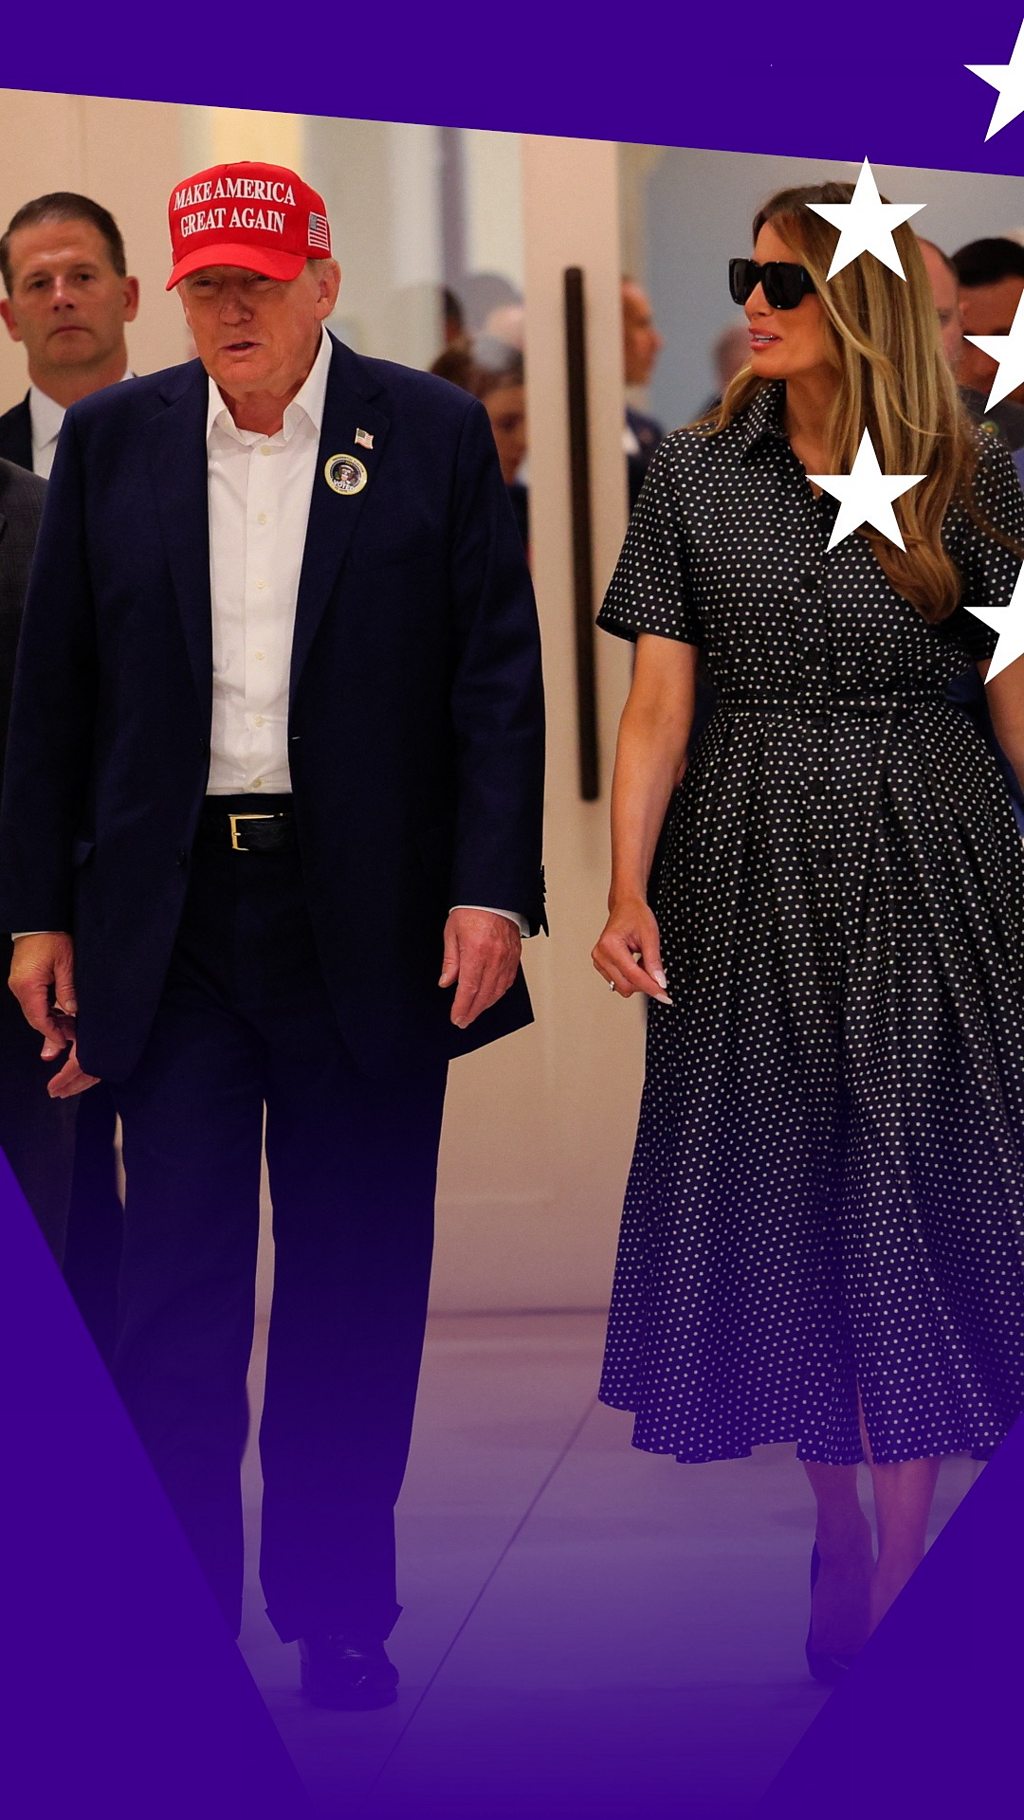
(783, 284)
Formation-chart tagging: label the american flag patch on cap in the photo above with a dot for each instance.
(319, 231)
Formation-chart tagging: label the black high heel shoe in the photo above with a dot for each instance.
(824, 1667)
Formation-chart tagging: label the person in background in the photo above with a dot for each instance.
(641, 345)
(494, 372)
(69, 299)
(507, 324)
(481, 294)
(1006, 416)
(730, 351)
(453, 316)
(991, 274)
(945, 285)
(501, 385)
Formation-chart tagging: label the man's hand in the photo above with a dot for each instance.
(481, 951)
(43, 982)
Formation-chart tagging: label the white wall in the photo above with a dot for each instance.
(125, 154)
(541, 1126)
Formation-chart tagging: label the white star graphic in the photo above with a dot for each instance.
(865, 495)
(1008, 79)
(1008, 621)
(1008, 351)
(866, 223)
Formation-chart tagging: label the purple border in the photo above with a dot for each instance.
(882, 80)
(929, 1720)
(125, 1694)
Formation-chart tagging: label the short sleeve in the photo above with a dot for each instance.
(989, 569)
(650, 590)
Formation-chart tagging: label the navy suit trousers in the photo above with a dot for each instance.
(244, 1026)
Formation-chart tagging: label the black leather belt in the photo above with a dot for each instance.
(247, 824)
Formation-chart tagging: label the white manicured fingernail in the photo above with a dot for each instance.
(663, 999)
(660, 977)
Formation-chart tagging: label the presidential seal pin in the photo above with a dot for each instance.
(345, 474)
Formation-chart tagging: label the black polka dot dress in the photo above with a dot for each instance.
(827, 1191)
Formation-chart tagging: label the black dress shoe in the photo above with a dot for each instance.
(823, 1666)
(349, 1676)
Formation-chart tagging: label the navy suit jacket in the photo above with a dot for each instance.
(16, 434)
(21, 505)
(415, 722)
(648, 432)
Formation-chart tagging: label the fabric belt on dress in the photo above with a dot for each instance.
(886, 708)
(246, 824)
(818, 707)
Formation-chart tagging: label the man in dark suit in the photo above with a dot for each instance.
(36, 1132)
(274, 784)
(69, 297)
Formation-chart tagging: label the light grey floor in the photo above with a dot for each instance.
(588, 1630)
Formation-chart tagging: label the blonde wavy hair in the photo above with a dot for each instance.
(894, 381)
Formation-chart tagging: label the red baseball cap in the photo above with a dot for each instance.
(258, 216)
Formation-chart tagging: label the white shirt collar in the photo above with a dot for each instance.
(47, 415)
(308, 401)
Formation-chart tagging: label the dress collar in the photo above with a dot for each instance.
(762, 417)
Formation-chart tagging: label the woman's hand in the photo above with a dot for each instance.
(628, 953)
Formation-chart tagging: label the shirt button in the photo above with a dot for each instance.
(265, 448)
(261, 585)
(257, 783)
(261, 518)
(259, 656)
(257, 720)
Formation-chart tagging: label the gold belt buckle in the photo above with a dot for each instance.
(236, 845)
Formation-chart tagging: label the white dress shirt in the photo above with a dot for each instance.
(259, 489)
(46, 417)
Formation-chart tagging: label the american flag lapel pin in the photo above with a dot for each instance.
(363, 439)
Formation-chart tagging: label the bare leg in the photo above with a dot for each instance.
(903, 1502)
(840, 1606)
